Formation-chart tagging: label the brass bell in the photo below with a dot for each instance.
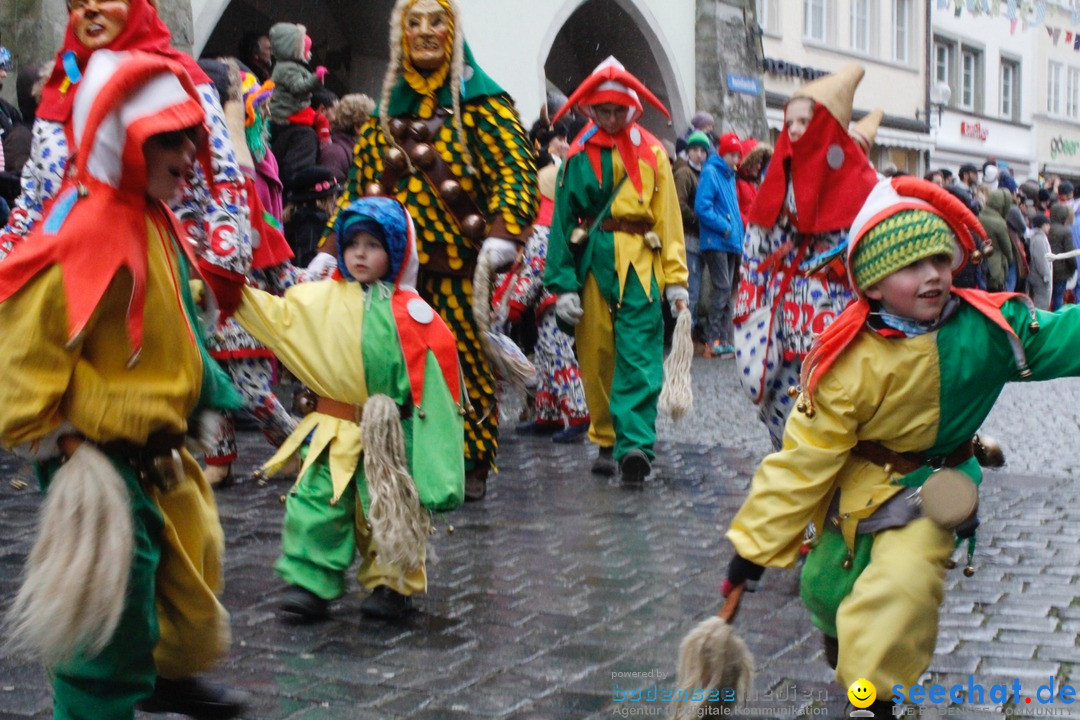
(423, 155)
(398, 128)
(578, 235)
(450, 190)
(449, 529)
(473, 226)
(988, 451)
(282, 499)
(419, 131)
(847, 563)
(82, 190)
(395, 158)
(421, 414)
(950, 564)
(969, 571)
(987, 250)
(811, 412)
(333, 502)
(1034, 326)
(373, 189)
(793, 391)
(888, 468)
(976, 257)
(652, 240)
(1025, 373)
(802, 407)
(368, 526)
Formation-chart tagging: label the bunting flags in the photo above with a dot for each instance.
(1021, 13)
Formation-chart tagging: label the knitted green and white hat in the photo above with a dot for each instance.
(898, 241)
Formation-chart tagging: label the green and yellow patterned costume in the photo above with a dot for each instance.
(502, 182)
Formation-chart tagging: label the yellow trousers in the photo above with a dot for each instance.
(194, 625)
(887, 627)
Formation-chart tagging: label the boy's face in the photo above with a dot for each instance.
(697, 155)
(611, 117)
(427, 33)
(797, 116)
(732, 159)
(559, 147)
(365, 258)
(169, 158)
(918, 291)
(96, 23)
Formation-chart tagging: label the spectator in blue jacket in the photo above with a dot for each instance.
(721, 230)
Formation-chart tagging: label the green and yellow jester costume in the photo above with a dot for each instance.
(455, 154)
(885, 403)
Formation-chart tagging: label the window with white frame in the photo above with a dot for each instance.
(1072, 93)
(815, 20)
(969, 78)
(860, 26)
(768, 14)
(943, 54)
(901, 30)
(1053, 87)
(1010, 89)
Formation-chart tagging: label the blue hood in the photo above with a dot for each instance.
(390, 215)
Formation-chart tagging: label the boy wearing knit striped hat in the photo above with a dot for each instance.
(891, 397)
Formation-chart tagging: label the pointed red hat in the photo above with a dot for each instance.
(610, 82)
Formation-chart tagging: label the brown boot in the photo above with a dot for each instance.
(476, 483)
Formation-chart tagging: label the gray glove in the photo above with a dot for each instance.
(568, 308)
(675, 293)
(501, 252)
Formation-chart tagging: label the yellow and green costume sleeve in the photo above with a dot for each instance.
(343, 344)
(925, 394)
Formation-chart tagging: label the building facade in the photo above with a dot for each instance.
(984, 90)
(803, 39)
(1056, 75)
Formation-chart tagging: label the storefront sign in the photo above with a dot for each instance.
(743, 84)
(974, 130)
(791, 70)
(1063, 147)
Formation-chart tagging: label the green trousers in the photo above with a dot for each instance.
(319, 541)
(620, 347)
(108, 685)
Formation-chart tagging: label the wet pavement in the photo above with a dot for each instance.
(563, 594)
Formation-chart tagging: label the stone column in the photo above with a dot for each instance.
(727, 44)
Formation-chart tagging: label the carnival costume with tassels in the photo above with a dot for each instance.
(103, 344)
(349, 342)
(470, 177)
(884, 403)
(792, 279)
(619, 193)
(212, 206)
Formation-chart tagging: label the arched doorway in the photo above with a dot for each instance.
(591, 30)
(350, 38)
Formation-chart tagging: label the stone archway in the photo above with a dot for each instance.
(585, 32)
(350, 38)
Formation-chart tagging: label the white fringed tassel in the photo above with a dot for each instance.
(75, 581)
(711, 656)
(677, 395)
(506, 359)
(399, 526)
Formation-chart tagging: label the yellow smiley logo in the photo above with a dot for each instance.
(862, 693)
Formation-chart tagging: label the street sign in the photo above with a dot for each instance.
(743, 84)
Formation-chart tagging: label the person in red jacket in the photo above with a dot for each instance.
(751, 168)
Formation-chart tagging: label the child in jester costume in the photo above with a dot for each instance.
(383, 364)
(447, 142)
(890, 400)
(616, 247)
(120, 591)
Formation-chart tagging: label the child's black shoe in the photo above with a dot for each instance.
(387, 604)
(195, 698)
(304, 603)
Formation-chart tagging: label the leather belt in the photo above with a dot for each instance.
(156, 461)
(338, 409)
(909, 462)
(630, 227)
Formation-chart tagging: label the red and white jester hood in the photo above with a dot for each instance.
(97, 224)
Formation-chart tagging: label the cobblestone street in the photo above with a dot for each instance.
(561, 590)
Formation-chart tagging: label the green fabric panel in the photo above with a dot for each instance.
(976, 362)
(109, 684)
(318, 540)
(825, 583)
(218, 391)
(639, 368)
(969, 467)
(438, 470)
(579, 195)
(406, 101)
